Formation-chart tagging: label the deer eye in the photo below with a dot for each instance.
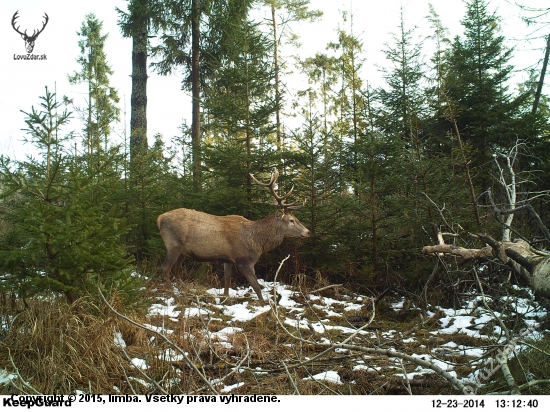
(291, 221)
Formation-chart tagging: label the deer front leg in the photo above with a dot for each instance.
(248, 271)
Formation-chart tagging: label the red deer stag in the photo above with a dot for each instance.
(228, 239)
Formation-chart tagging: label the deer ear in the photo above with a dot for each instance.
(279, 214)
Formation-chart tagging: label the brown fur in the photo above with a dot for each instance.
(229, 239)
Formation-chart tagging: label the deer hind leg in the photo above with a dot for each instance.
(250, 275)
(171, 257)
(177, 266)
(227, 273)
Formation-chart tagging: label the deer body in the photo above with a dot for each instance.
(232, 240)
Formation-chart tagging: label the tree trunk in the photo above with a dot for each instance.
(277, 85)
(248, 134)
(542, 74)
(138, 102)
(195, 91)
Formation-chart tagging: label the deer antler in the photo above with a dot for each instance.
(15, 16)
(280, 199)
(35, 33)
(43, 26)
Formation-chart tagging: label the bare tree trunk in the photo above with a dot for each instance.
(507, 180)
(542, 74)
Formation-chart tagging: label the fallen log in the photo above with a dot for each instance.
(465, 254)
(531, 264)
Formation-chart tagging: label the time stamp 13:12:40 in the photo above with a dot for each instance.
(480, 403)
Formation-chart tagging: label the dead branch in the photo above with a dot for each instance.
(527, 207)
(326, 287)
(532, 264)
(143, 374)
(296, 391)
(163, 337)
(406, 377)
(503, 362)
(18, 375)
(381, 296)
(235, 368)
(393, 354)
(465, 254)
(439, 209)
(126, 377)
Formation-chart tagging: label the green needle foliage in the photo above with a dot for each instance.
(60, 233)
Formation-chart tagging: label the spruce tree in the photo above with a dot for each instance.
(195, 37)
(101, 109)
(476, 85)
(59, 236)
(240, 106)
(294, 10)
(143, 18)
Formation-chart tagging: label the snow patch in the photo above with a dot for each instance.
(329, 376)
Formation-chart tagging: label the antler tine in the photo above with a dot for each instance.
(280, 199)
(272, 181)
(44, 24)
(291, 207)
(15, 16)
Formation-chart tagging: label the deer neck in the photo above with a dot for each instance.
(266, 234)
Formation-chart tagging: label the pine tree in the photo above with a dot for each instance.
(349, 104)
(435, 94)
(322, 72)
(145, 198)
(406, 146)
(314, 156)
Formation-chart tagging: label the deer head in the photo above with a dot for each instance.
(29, 40)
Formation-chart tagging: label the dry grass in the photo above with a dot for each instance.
(59, 347)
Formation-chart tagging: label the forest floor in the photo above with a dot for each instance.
(190, 339)
(296, 344)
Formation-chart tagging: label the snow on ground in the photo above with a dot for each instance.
(119, 341)
(334, 314)
(139, 363)
(329, 376)
(242, 312)
(167, 309)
